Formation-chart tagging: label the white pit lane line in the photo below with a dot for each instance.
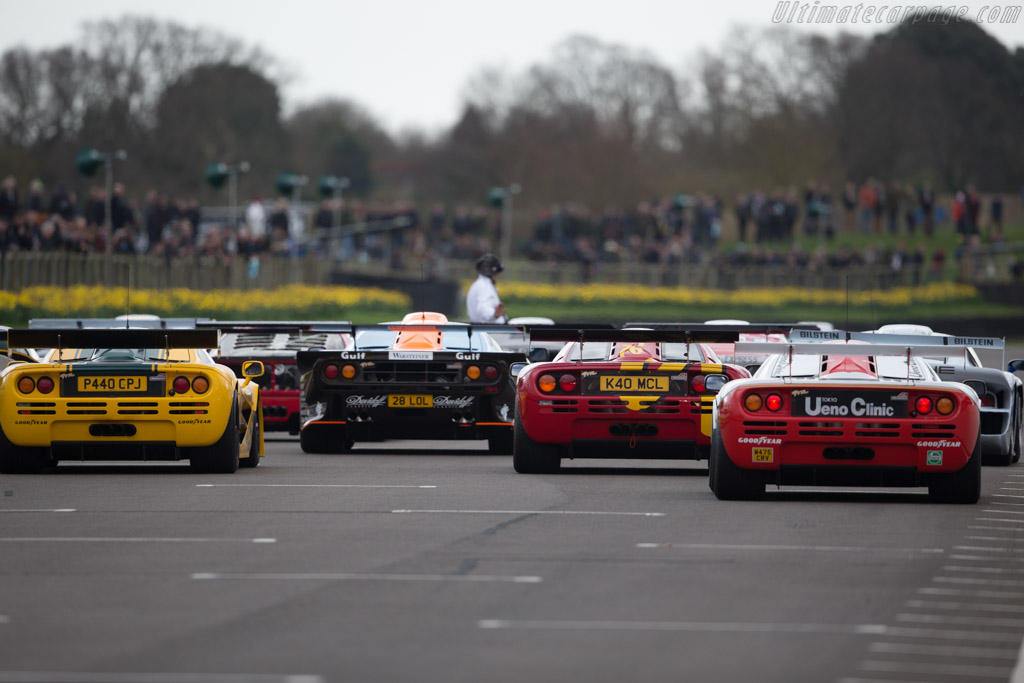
(987, 622)
(320, 486)
(965, 606)
(696, 626)
(350, 576)
(528, 512)
(40, 510)
(942, 651)
(944, 669)
(807, 548)
(127, 539)
(139, 677)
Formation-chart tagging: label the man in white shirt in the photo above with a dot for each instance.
(483, 305)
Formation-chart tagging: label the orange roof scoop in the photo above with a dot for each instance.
(422, 337)
(636, 351)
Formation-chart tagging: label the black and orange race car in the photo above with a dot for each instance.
(275, 343)
(419, 378)
(630, 393)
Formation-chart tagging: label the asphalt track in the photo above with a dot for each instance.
(416, 561)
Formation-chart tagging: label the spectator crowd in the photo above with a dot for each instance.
(670, 231)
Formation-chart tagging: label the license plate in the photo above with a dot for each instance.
(763, 455)
(634, 383)
(410, 401)
(118, 384)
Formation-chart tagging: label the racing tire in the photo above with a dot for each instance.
(1015, 454)
(222, 456)
(962, 487)
(501, 444)
(20, 459)
(729, 481)
(319, 440)
(530, 457)
(254, 448)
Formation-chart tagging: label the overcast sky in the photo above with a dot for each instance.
(407, 61)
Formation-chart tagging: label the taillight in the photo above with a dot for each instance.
(200, 384)
(945, 405)
(753, 402)
(988, 400)
(567, 383)
(773, 403)
(45, 385)
(473, 372)
(348, 371)
(180, 384)
(26, 385)
(546, 383)
(490, 372)
(331, 371)
(697, 384)
(923, 405)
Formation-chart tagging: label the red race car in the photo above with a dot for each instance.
(632, 393)
(275, 343)
(845, 413)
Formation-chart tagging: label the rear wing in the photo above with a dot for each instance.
(95, 338)
(754, 328)
(468, 329)
(114, 323)
(277, 326)
(803, 335)
(692, 334)
(819, 349)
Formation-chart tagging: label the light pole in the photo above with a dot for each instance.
(88, 160)
(292, 184)
(501, 197)
(216, 174)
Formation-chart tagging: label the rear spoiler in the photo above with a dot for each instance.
(113, 323)
(693, 334)
(306, 359)
(755, 328)
(94, 338)
(804, 335)
(819, 349)
(277, 326)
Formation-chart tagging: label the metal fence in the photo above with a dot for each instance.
(19, 270)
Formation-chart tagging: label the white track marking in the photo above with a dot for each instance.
(822, 548)
(1005, 512)
(1000, 622)
(126, 539)
(941, 669)
(966, 606)
(40, 510)
(943, 651)
(699, 626)
(346, 576)
(320, 486)
(996, 519)
(981, 570)
(1000, 595)
(988, 549)
(992, 538)
(995, 528)
(528, 512)
(951, 634)
(984, 558)
(967, 581)
(1007, 495)
(139, 677)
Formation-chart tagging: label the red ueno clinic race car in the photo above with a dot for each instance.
(632, 393)
(845, 413)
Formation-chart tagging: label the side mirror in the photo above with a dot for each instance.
(252, 369)
(539, 355)
(515, 368)
(1015, 365)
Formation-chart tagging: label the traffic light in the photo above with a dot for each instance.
(329, 185)
(88, 160)
(217, 174)
(496, 197)
(287, 182)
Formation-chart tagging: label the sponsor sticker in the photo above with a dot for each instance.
(761, 440)
(358, 401)
(764, 454)
(938, 443)
(848, 404)
(467, 356)
(934, 458)
(410, 355)
(453, 401)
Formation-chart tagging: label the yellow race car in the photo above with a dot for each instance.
(127, 394)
